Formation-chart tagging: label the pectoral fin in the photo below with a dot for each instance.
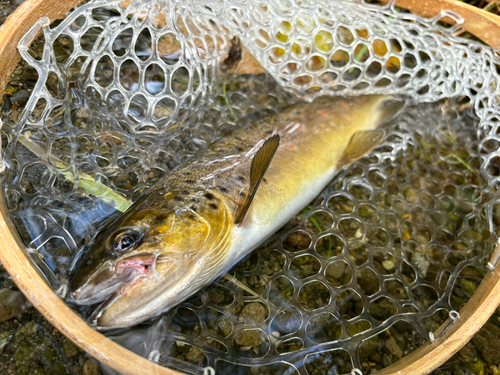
(359, 145)
(260, 163)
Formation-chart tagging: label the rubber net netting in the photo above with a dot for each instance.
(366, 273)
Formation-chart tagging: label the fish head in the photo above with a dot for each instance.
(166, 247)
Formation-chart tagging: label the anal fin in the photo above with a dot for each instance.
(361, 143)
(260, 163)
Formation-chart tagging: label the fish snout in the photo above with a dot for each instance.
(97, 287)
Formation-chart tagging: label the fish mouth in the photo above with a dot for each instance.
(111, 276)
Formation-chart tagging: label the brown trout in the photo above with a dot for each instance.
(198, 221)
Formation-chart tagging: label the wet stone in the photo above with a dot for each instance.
(314, 295)
(6, 103)
(218, 323)
(338, 273)
(195, 355)
(486, 340)
(290, 346)
(332, 362)
(70, 349)
(298, 240)
(393, 347)
(252, 343)
(305, 266)
(20, 97)
(281, 291)
(187, 353)
(35, 352)
(286, 322)
(249, 338)
(253, 313)
(12, 304)
(272, 262)
(91, 367)
(256, 283)
(221, 296)
(323, 327)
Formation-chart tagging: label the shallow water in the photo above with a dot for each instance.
(372, 249)
(371, 256)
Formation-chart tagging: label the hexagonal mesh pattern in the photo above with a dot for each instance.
(391, 249)
(363, 275)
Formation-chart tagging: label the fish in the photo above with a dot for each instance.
(195, 223)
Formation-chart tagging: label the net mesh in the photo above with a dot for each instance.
(362, 276)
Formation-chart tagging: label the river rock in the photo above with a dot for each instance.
(12, 304)
(91, 367)
(487, 342)
(253, 313)
(20, 97)
(393, 347)
(35, 352)
(70, 349)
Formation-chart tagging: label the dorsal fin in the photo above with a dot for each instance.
(360, 144)
(259, 166)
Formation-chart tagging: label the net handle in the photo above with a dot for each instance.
(15, 260)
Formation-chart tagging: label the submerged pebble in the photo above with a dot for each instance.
(195, 355)
(486, 340)
(393, 347)
(12, 304)
(249, 339)
(70, 349)
(91, 367)
(20, 97)
(253, 313)
(35, 352)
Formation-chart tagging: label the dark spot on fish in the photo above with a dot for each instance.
(194, 200)
(209, 196)
(186, 173)
(159, 219)
(242, 194)
(239, 149)
(192, 217)
(189, 181)
(212, 206)
(185, 192)
(264, 180)
(223, 189)
(240, 178)
(178, 199)
(269, 131)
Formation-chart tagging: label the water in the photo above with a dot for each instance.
(381, 243)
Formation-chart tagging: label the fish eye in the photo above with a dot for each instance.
(127, 241)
